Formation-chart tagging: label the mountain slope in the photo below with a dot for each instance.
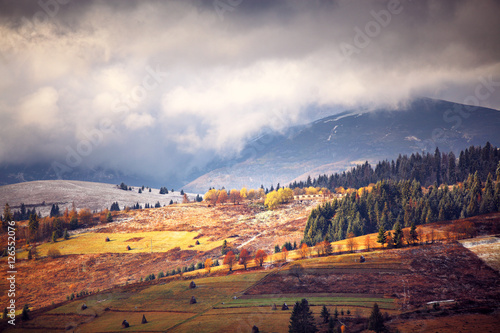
(337, 142)
(95, 196)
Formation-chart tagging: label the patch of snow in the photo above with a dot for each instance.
(412, 138)
(340, 117)
(248, 241)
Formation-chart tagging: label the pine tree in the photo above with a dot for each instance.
(382, 236)
(302, 319)
(7, 216)
(331, 325)
(33, 224)
(325, 314)
(224, 247)
(413, 233)
(25, 314)
(398, 235)
(376, 320)
(54, 236)
(65, 234)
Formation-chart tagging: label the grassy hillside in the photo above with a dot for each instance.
(237, 301)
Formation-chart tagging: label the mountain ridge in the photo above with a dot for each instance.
(337, 142)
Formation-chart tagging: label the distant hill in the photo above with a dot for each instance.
(337, 142)
(95, 196)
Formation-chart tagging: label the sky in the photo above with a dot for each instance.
(158, 88)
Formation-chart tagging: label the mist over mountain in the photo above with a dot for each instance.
(338, 142)
(330, 144)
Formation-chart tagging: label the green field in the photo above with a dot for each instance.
(384, 303)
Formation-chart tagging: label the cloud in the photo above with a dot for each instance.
(183, 81)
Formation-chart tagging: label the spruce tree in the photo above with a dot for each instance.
(325, 314)
(302, 319)
(33, 224)
(413, 233)
(398, 235)
(382, 236)
(376, 320)
(25, 314)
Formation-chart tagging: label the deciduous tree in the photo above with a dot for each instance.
(368, 243)
(304, 250)
(208, 264)
(229, 260)
(234, 196)
(244, 258)
(272, 200)
(222, 197)
(85, 216)
(211, 196)
(351, 243)
(284, 253)
(296, 270)
(260, 256)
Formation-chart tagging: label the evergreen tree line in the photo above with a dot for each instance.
(440, 168)
(20, 215)
(390, 202)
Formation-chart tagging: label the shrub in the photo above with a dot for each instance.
(53, 253)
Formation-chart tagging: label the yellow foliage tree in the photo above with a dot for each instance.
(311, 190)
(211, 196)
(243, 193)
(272, 200)
(251, 194)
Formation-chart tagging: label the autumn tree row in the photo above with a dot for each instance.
(214, 196)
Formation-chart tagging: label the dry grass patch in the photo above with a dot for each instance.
(140, 242)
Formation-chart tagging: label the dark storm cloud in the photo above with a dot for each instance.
(174, 83)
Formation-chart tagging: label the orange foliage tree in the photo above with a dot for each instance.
(222, 198)
(208, 264)
(368, 243)
(304, 250)
(351, 243)
(234, 196)
(244, 258)
(85, 216)
(260, 256)
(284, 253)
(229, 260)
